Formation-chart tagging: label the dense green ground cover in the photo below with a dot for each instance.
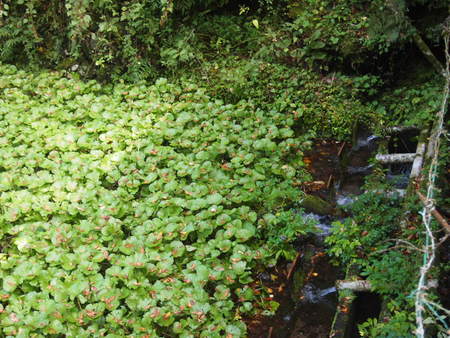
(126, 208)
(129, 211)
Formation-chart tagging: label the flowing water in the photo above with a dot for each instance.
(308, 300)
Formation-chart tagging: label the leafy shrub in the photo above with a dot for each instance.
(398, 326)
(393, 273)
(325, 106)
(374, 219)
(327, 31)
(136, 210)
(412, 104)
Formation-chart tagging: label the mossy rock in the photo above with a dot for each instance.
(317, 205)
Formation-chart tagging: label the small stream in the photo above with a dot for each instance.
(308, 300)
(318, 298)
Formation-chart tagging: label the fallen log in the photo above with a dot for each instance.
(394, 193)
(316, 205)
(395, 158)
(399, 129)
(426, 51)
(365, 285)
(353, 285)
(420, 43)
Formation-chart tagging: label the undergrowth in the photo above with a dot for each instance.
(387, 251)
(138, 210)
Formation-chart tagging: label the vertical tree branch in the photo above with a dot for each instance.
(426, 51)
(420, 43)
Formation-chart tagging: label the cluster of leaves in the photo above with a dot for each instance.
(327, 106)
(389, 22)
(136, 210)
(140, 38)
(411, 103)
(326, 31)
(208, 38)
(97, 37)
(374, 219)
(399, 325)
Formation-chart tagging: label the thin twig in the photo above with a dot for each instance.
(442, 240)
(340, 149)
(269, 335)
(329, 181)
(438, 306)
(398, 240)
(292, 268)
(395, 247)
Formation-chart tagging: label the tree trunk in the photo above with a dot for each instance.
(426, 51)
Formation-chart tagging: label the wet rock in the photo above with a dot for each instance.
(360, 170)
(317, 205)
(264, 276)
(343, 200)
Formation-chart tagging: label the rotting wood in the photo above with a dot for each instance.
(395, 158)
(436, 214)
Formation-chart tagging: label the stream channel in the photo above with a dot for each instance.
(308, 297)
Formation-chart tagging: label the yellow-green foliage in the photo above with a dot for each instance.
(128, 211)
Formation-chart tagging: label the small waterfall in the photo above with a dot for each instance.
(322, 223)
(343, 200)
(327, 291)
(311, 294)
(365, 142)
(359, 170)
